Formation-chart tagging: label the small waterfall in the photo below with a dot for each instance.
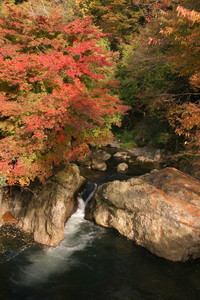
(88, 192)
(78, 234)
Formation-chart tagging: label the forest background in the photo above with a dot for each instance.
(139, 62)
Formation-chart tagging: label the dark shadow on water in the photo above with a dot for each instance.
(109, 267)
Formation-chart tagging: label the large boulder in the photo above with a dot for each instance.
(159, 210)
(44, 209)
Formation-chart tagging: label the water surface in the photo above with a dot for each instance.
(95, 263)
(91, 263)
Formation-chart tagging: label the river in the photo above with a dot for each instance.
(91, 263)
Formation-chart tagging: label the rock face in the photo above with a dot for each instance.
(44, 209)
(159, 210)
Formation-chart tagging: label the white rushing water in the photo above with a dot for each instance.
(78, 234)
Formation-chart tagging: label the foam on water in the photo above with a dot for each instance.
(59, 259)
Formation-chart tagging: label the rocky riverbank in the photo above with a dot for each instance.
(137, 161)
(157, 207)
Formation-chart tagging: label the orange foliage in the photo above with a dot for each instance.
(181, 32)
(185, 119)
(54, 94)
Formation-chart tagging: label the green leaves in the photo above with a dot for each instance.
(52, 91)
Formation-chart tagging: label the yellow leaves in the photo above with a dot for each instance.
(195, 80)
(181, 31)
(168, 31)
(96, 132)
(6, 127)
(185, 119)
(192, 16)
(24, 181)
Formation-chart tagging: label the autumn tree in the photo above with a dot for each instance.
(160, 72)
(181, 33)
(55, 97)
(120, 18)
(69, 8)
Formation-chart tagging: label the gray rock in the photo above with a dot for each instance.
(145, 154)
(124, 156)
(115, 144)
(144, 159)
(159, 210)
(158, 155)
(96, 160)
(100, 155)
(141, 152)
(99, 165)
(44, 209)
(123, 167)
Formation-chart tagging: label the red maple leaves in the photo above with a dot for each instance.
(53, 99)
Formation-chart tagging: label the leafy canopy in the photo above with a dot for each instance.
(160, 71)
(54, 92)
(181, 32)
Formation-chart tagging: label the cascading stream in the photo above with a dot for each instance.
(78, 234)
